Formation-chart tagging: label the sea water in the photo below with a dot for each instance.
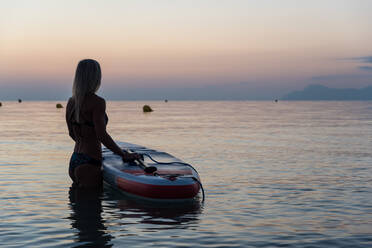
(286, 174)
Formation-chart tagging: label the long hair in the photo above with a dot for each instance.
(87, 81)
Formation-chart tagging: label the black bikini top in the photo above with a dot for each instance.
(87, 123)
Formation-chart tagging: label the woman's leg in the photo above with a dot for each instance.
(88, 176)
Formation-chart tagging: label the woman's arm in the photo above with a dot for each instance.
(100, 128)
(68, 119)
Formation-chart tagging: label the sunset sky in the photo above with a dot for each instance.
(194, 49)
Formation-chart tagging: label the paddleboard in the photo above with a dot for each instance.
(173, 179)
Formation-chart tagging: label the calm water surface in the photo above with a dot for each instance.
(288, 174)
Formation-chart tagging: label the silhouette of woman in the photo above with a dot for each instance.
(86, 121)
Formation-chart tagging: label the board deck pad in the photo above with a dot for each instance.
(173, 169)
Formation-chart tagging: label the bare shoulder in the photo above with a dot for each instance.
(97, 101)
(98, 98)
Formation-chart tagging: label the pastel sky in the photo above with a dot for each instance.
(191, 49)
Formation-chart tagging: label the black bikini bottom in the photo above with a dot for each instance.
(79, 159)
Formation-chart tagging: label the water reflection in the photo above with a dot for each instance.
(156, 215)
(91, 209)
(86, 206)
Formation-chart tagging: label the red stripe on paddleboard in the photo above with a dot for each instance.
(158, 191)
(160, 172)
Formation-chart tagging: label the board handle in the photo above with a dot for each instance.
(141, 163)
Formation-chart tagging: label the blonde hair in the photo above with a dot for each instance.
(87, 81)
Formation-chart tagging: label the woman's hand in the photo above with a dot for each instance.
(130, 157)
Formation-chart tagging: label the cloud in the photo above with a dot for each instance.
(365, 68)
(366, 59)
(357, 80)
(342, 77)
(363, 59)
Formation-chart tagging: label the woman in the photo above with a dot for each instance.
(86, 121)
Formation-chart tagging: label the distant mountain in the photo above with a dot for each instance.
(320, 92)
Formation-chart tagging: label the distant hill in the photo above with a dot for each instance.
(320, 92)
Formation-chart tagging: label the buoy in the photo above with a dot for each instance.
(58, 105)
(147, 108)
(19, 100)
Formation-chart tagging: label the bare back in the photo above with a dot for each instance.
(91, 125)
